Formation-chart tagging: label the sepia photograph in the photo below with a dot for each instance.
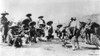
(49, 27)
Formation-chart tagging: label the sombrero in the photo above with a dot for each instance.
(5, 13)
(28, 14)
(49, 22)
(32, 23)
(40, 16)
(26, 21)
(14, 27)
(60, 25)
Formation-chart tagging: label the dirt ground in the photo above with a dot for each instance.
(53, 48)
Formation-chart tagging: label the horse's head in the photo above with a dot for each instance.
(82, 25)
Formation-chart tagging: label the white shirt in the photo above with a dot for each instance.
(40, 22)
(75, 24)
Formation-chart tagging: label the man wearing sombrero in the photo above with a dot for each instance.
(50, 30)
(27, 21)
(41, 21)
(3, 18)
(4, 25)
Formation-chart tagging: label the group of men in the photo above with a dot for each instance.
(27, 28)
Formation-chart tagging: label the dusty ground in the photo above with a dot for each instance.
(53, 48)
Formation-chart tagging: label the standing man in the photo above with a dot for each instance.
(3, 18)
(4, 22)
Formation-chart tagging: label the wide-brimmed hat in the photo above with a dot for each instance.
(32, 23)
(5, 13)
(14, 27)
(26, 21)
(49, 22)
(28, 14)
(40, 16)
(59, 26)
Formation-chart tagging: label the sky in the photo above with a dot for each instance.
(60, 11)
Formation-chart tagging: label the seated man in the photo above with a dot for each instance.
(41, 21)
(50, 30)
(32, 32)
(58, 31)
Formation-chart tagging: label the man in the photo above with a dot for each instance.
(26, 22)
(4, 22)
(58, 31)
(29, 16)
(3, 18)
(32, 32)
(41, 21)
(73, 25)
(50, 30)
(75, 30)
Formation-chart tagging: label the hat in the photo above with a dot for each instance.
(28, 15)
(49, 22)
(14, 27)
(60, 25)
(26, 21)
(40, 16)
(5, 13)
(32, 23)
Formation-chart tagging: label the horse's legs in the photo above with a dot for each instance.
(77, 42)
(87, 38)
(89, 35)
(73, 42)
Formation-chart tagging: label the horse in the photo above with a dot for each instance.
(74, 36)
(92, 30)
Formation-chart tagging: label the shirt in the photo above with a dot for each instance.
(75, 24)
(40, 22)
(3, 20)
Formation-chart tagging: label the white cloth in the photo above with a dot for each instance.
(40, 22)
(73, 24)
